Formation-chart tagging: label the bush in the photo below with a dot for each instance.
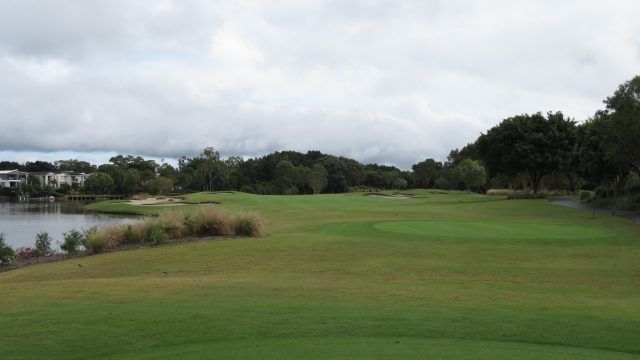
(113, 235)
(208, 221)
(87, 233)
(628, 202)
(132, 234)
(586, 196)
(95, 242)
(7, 254)
(173, 223)
(72, 241)
(153, 232)
(27, 253)
(43, 243)
(250, 224)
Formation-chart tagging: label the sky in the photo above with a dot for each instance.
(392, 82)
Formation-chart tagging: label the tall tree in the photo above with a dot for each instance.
(533, 145)
(471, 173)
(75, 165)
(99, 183)
(623, 123)
(317, 178)
(426, 172)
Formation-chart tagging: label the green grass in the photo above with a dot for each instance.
(453, 276)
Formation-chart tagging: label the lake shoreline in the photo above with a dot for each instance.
(82, 254)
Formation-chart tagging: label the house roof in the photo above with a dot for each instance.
(11, 172)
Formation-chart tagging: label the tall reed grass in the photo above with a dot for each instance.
(203, 222)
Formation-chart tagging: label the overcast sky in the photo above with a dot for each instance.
(390, 82)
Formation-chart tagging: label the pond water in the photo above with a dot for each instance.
(21, 221)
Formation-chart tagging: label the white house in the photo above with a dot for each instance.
(55, 180)
(70, 178)
(46, 178)
(12, 178)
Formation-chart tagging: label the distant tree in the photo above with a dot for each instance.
(160, 185)
(471, 173)
(75, 165)
(426, 172)
(117, 176)
(534, 145)
(317, 178)
(285, 175)
(131, 182)
(37, 166)
(204, 172)
(168, 171)
(443, 183)
(10, 165)
(99, 183)
(134, 162)
(622, 118)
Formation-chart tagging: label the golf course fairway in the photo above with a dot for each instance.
(346, 276)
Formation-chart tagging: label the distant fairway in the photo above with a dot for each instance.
(445, 276)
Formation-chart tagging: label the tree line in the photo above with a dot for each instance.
(527, 151)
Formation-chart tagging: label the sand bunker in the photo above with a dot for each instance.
(163, 201)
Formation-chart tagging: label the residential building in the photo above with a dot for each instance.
(70, 178)
(13, 178)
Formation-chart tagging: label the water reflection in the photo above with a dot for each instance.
(21, 221)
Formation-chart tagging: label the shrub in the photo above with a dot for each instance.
(7, 254)
(87, 233)
(208, 221)
(173, 223)
(586, 196)
(250, 224)
(153, 232)
(72, 241)
(132, 234)
(113, 235)
(95, 242)
(43, 243)
(27, 253)
(526, 194)
(499, 192)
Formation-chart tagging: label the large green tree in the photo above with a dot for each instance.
(622, 117)
(530, 145)
(471, 173)
(99, 183)
(75, 165)
(426, 172)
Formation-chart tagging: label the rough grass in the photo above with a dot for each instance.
(345, 276)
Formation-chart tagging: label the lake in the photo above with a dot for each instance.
(21, 221)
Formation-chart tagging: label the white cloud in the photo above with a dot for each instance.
(384, 81)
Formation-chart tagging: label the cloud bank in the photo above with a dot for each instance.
(379, 81)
